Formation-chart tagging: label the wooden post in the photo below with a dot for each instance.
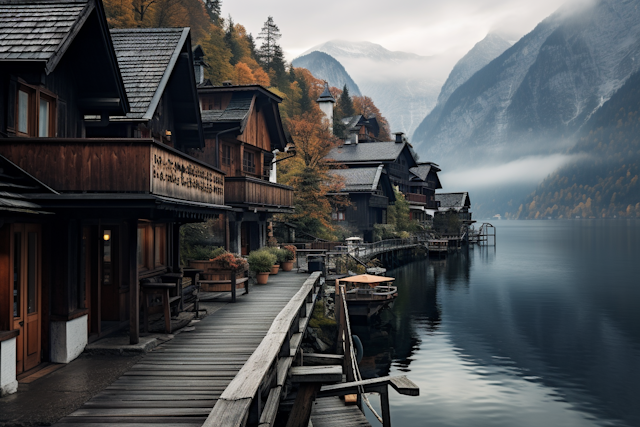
(134, 288)
(384, 405)
(233, 286)
(301, 412)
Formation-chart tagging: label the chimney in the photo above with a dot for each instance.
(227, 83)
(399, 137)
(325, 102)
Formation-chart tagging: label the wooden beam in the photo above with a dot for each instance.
(303, 404)
(134, 289)
(401, 384)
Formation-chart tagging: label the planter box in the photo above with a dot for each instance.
(214, 272)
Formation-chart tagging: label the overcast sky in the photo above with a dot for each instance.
(425, 27)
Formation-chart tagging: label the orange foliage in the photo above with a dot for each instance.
(365, 106)
(242, 74)
(261, 77)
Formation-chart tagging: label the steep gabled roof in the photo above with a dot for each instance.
(326, 95)
(455, 201)
(40, 31)
(368, 152)
(147, 57)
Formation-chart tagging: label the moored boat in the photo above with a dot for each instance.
(367, 294)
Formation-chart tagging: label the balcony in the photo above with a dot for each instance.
(254, 193)
(416, 199)
(106, 165)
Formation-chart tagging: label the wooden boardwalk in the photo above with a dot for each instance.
(333, 412)
(180, 381)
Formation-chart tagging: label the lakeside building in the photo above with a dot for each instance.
(456, 202)
(243, 131)
(361, 128)
(104, 156)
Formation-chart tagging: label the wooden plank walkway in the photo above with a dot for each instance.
(179, 382)
(332, 412)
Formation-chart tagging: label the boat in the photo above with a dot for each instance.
(367, 294)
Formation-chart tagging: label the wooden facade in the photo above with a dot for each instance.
(242, 128)
(102, 218)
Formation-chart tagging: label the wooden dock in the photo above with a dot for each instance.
(180, 382)
(332, 412)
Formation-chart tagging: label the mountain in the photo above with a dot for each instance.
(480, 55)
(603, 180)
(404, 86)
(532, 99)
(325, 67)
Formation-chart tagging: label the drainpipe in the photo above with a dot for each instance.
(218, 144)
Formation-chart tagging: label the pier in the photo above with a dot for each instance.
(218, 373)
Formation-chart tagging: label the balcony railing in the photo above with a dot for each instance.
(247, 191)
(115, 165)
(415, 198)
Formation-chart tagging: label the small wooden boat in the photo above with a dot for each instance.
(367, 294)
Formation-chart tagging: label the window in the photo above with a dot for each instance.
(249, 162)
(226, 154)
(338, 215)
(35, 112)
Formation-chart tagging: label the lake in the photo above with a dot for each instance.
(543, 329)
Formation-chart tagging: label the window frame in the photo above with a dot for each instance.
(35, 95)
(226, 160)
(249, 167)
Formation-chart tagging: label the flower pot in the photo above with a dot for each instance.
(262, 278)
(275, 268)
(287, 266)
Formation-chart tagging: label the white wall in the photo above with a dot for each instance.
(68, 339)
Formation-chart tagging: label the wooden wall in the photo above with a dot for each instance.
(256, 132)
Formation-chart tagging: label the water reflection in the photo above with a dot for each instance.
(543, 329)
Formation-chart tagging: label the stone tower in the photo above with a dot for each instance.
(326, 101)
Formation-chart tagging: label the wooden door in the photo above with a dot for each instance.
(244, 238)
(27, 289)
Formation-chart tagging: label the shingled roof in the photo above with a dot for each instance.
(147, 57)
(360, 179)
(454, 201)
(15, 187)
(237, 110)
(367, 152)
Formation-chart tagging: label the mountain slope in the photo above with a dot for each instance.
(403, 85)
(603, 182)
(534, 97)
(326, 67)
(480, 55)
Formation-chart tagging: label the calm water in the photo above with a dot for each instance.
(543, 330)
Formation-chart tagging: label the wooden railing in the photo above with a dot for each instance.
(266, 371)
(115, 165)
(416, 198)
(248, 191)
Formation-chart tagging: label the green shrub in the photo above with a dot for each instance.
(291, 252)
(281, 254)
(204, 252)
(261, 260)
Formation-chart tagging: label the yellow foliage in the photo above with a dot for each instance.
(242, 74)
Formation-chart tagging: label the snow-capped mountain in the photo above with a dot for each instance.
(324, 66)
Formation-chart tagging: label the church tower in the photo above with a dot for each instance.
(326, 101)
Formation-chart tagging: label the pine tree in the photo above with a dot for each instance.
(346, 103)
(278, 69)
(305, 100)
(270, 34)
(232, 43)
(214, 9)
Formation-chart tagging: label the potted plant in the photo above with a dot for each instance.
(281, 257)
(290, 255)
(261, 262)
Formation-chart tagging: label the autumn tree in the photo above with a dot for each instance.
(309, 174)
(140, 9)
(243, 74)
(218, 56)
(119, 13)
(365, 106)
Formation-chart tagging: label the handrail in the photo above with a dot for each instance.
(242, 395)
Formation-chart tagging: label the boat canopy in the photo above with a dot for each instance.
(369, 279)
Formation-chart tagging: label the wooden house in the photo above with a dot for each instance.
(113, 201)
(361, 129)
(370, 193)
(457, 202)
(423, 186)
(243, 129)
